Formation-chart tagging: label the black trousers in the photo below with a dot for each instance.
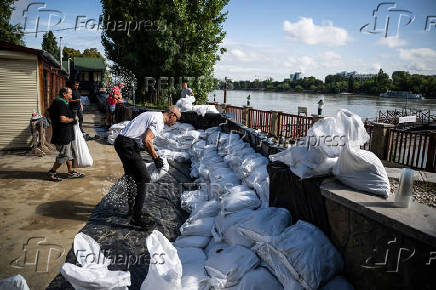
(129, 152)
(79, 114)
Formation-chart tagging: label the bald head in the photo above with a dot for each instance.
(175, 110)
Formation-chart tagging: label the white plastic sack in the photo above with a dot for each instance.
(224, 222)
(259, 279)
(207, 209)
(239, 200)
(305, 163)
(163, 276)
(262, 191)
(94, 273)
(193, 260)
(227, 267)
(82, 157)
(115, 130)
(16, 282)
(362, 170)
(332, 133)
(263, 224)
(156, 174)
(198, 227)
(301, 257)
(192, 199)
(192, 241)
(185, 104)
(201, 110)
(215, 247)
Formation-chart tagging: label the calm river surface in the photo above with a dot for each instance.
(364, 106)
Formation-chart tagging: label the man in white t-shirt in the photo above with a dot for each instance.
(141, 132)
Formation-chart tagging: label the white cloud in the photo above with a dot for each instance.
(331, 55)
(242, 56)
(419, 59)
(392, 41)
(303, 64)
(376, 66)
(304, 30)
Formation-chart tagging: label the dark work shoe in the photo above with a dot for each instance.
(146, 224)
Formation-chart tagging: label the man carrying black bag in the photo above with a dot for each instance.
(140, 132)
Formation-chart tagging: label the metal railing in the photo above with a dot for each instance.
(408, 148)
(293, 126)
(260, 120)
(236, 113)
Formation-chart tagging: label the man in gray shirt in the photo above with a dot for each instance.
(185, 90)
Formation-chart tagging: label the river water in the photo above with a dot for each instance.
(364, 106)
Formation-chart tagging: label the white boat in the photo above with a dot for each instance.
(401, 94)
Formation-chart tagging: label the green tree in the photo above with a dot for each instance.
(9, 33)
(50, 44)
(91, 52)
(68, 52)
(183, 40)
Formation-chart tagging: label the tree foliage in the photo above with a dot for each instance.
(69, 52)
(50, 44)
(177, 38)
(9, 33)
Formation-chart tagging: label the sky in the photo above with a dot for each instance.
(275, 38)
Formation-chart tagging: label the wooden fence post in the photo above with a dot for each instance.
(431, 153)
(379, 139)
(275, 123)
(246, 116)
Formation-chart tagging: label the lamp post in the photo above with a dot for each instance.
(248, 100)
(60, 50)
(320, 107)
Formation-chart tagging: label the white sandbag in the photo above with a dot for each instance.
(263, 224)
(259, 279)
(262, 191)
(177, 156)
(198, 227)
(207, 209)
(156, 174)
(305, 163)
(201, 110)
(166, 276)
(215, 247)
(338, 283)
(82, 157)
(192, 241)
(256, 176)
(223, 178)
(115, 130)
(185, 104)
(251, 163)
(227, 267)
(16, 282)
(362, 170)
(94, 272)
(193, 260)
(191, 199)
(302, 256)
(223, 222)
(239, 200)
(332, 133)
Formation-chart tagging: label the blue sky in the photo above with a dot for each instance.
(274, 38)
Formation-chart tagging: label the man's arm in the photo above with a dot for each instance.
(65, 119)
(148, 143)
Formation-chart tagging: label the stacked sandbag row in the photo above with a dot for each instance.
(186, 104)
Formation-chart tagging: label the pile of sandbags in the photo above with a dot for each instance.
(186, 104)
(332, 145)
(232, 239)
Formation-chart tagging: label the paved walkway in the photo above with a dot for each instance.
(43, 217)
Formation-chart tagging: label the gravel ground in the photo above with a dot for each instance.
(423, 192)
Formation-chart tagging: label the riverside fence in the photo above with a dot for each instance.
(413, 149)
